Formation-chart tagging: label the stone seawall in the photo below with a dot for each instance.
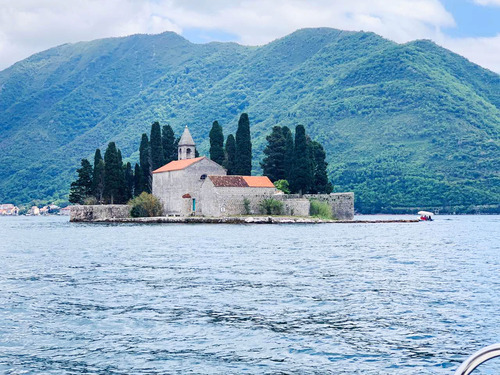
(99, 212)
(342, 204)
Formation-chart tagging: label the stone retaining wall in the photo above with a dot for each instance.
(342, 204)
(99, 212)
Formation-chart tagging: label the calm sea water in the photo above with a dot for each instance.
(340, 299)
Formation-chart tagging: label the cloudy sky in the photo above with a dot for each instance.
(468, 27)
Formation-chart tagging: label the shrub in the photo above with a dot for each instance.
(90, 201)
(282, 185)
(320, 209)
(145, 205)
(271, 207)
(246, 206)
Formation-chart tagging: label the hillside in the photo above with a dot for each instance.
(404, 126)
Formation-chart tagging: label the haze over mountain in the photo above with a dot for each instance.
(404, 125)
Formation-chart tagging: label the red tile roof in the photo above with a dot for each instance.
(241, 181)
(258, 181)
(177, 165)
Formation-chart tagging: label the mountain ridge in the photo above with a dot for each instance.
(417, 95)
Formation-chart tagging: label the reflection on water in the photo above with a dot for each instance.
(341, 298)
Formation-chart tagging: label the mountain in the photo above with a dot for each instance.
(404, 125)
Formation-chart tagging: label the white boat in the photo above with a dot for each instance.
(425, 216)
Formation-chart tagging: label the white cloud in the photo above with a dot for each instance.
(488, 2)
(28, 26)
(482, 51)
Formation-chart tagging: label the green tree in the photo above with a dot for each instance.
(138, 184)
(302, 170)
(289, 152)
(168, 143)
(129, 182)
(145, 205)
(145, 162)
(230, 149)
(157, 154)
(282, 185)
(81, 188)
(243, 160)
(320, 184)
(273, 164)
(98, 176)
(113, 175)
(217, 144)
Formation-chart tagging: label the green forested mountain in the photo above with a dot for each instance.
(403, 125)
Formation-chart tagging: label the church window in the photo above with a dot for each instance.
(203, 177)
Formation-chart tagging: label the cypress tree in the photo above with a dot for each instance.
(98, 176)
(320, 184)
(145, 162)
(138, 184)
(289, 152)
(113, 175)
(168, 143)
(302, 170)
(157, 154)
(273, 164)
(230, 154)
(98, 181)
(129, 182)
(243, 160)
(217, 143)
(81, 188)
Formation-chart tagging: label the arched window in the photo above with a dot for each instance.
(203, 176)
(188, 151)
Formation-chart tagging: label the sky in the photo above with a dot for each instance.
(470, 28)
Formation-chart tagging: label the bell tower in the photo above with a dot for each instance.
(187, 148)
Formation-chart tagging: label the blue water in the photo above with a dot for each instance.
(340, 299)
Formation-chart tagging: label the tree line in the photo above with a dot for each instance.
(111, 181)
(295, 164)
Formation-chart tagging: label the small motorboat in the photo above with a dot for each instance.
(425, 216)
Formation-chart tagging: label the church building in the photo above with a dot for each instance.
(201, 187)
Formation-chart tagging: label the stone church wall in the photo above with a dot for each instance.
(170, 187)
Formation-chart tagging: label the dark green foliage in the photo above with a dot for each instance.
(302, 171)
(320, 183)
(129, 182)
(243, 160)
(289, 152)
(114, 178)
(196, 153)
(217, 143)
(81, 188)
(145, 205)
(246, 206)
(168, 143)
(230, 149)
(98, 176)
(273, 165)
(157, 155)
(404, 126)
(138, 184)
(145, 163)
(271, 207)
